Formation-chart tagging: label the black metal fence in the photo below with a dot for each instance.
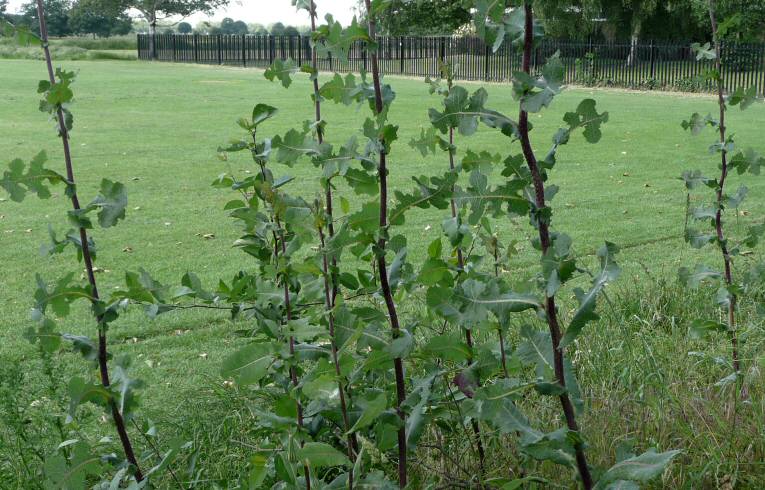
(642, 66)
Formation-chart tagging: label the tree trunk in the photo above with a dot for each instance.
(152, 33)
(632, 57)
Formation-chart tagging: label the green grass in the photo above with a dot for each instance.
(156, 127)
(75, 49)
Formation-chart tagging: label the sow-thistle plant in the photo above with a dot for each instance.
(115, 390)
(730, 288)
(546, 351)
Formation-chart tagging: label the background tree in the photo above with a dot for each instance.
(98, 17)
(423, 17)
(154, 10)
(291, 31)
(57, 13)
(184, 28)
(276, 29)
(748, 17)
(230, 26)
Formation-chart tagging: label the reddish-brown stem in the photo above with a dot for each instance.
(103, 366)
(502, 354)
(288, 307)
(398, 365)
(352, 446)
(461, 268)
(720, 194)
(551, 312)
(330, 278)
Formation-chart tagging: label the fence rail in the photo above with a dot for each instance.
(651, 65)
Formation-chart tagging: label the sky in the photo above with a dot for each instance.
(264, 11)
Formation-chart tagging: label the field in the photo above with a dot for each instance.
(156, 127)
(75, 48)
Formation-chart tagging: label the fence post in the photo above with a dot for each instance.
(486, 62)
(364, 48)
(401, 55)
(244, 50)
(220, 52)
(442, 50)
(194, 47)
(271, 47)
(653, 67)
(300, 49)
(172, 39)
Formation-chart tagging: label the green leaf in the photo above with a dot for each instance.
(249, 364)
(704, 51)
(643, 468)
(449, 347)
(743, 97)
(697, 123)
(703, 328)
(281, 70)
(367, 219)
(323, 387)
(262, 112)
(609, 271)
(536, 94)
(17, 183)
(700, 274)
(111, 203)
(332, 39)
(371, 408)
(321, 455)
(82, 392)
(433, 271)
(586, 116)
(494, 404)
(123, 387)
(73, 472)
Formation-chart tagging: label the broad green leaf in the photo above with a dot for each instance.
(262, 112)
(81, 392)
(448, 347)
(249, 364)
(609, 271)
(642, 468)
(321, 455)
(372, 407)
(702, 328)
(111, 203)
(743, 97)
(281, 70)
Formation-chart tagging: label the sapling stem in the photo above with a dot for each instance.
(461, 268)
(288, 309)
(335, 359)
(551, 312)
(103, 366)
(502, 354)
(720, 192)
(330, 278)
(381, 263)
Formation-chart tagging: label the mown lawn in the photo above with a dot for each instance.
(156, 128)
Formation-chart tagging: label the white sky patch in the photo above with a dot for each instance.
(264, 11)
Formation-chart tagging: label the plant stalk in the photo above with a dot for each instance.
(103, 366)
(502, 353)
(293, 371)
(720, 193)
(461, 269)
(544, 238)
(335, 359)
(330, 277)
(381, 263)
